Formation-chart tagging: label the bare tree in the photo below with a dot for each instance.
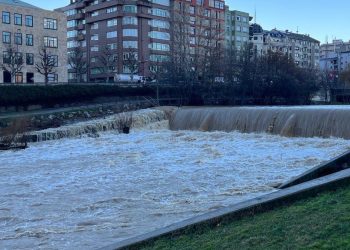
(107, 61)
(131, 62)
(78, 62)
(12, 62)
(46, 63)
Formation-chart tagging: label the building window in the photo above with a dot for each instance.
(50, 42)
(18, 38)
(94, 48)
(94, 26)
(54, 60)
(94, 37)
(130, 32)
(29, 21)
(6, 37)
(50, 24)
(130, 8)
(130, 44)
(29, 40)
(112, 34)
(111, 10)
(52, 77)
(18, 19)
(129, 20)
(112, 22)
(6, 17)
(19, 77)
(30, 59)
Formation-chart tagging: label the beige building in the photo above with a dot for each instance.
(304, 49)
(25, 30)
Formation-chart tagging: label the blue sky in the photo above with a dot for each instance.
(319, 18)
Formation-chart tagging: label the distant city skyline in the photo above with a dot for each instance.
(319, 21)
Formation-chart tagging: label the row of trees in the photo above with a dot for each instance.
(13, 61)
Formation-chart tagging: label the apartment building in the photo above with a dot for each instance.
(127, 35)
(304, 49)
(335, 56)
(25, 31)
(142, 30)
(236, 28)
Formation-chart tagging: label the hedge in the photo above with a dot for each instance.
(48, 95)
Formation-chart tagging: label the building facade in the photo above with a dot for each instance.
(304, 49)
(25, 31)
(335, 56)
(236, 28)
(127, 35)
(134, 29)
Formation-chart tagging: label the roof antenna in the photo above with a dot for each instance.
(297, 29)
(255, 13)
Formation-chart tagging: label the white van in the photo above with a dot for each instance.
(127, 78)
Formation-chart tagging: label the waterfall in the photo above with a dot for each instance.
(299, 121)
(139, 118)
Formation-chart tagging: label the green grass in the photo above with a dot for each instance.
(321, 222)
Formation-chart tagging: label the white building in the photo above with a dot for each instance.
(302, 48)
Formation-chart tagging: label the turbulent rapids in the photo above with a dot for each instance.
(84, 192)
(139, 118)
(308, 121)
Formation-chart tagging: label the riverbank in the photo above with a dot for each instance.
(321, 222)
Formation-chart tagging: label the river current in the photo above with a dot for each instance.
(85, 193)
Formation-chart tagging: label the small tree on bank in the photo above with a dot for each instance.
(46, 64)
(77, 63)
(12, 62)
(131, 62)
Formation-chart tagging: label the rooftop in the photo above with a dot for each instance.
(18, 3)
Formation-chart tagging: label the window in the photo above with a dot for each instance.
(159, 12)
(159, 35)
(6, 17)
(18, 19)
(50, 24)
(53, 59)
(94, 48)
(112, 22)
(130, 44)
(29, 21)
(94, 26)
(111, 10)
(112, 46)
(6, 37)
(111, 34)
(30, 59)
(52, 77)
(129, 20)
(18, 38)
(159, 24)
(29, 40)
(130, 32)
(94, 37)
(50, 42)
(162, 2)
(159, 46)
(130, 8)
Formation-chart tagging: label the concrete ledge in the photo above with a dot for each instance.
(250, 207)
(334, 165)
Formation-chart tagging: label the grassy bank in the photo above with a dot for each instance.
(48, 95)
(321, 222)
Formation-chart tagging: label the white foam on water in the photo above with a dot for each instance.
(90, 192)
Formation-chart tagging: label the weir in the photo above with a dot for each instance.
(299, 121)
(139, 119)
